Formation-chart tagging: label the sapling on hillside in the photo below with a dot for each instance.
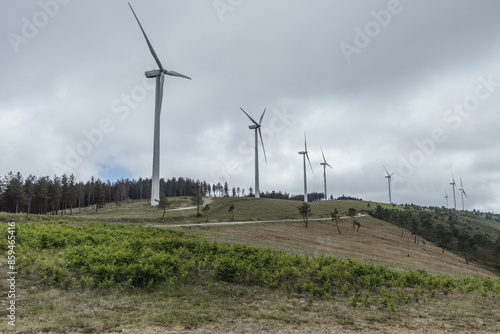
(352, 213)
(205, 210)
(335, 216)
(162, 204)
(305, 211)
(231, 209)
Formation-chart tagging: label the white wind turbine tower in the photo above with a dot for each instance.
(304, 155)
(324, 164)
(159, 75)
(462, 192)
(453, 184)
(388, 177)
(256, 126)
(446, 196)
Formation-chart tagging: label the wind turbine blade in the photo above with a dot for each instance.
(386, 170)
(147, 40)
(464, 192)
(307, 155)
(329, 165)
(261, 117)
(254, 122)
(176, 74)
(461, 184)
(305, 143)
(324, 160)
(262, 142)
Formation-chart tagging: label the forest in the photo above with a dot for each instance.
(461, 232)
(63, 194)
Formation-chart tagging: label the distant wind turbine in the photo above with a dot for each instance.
(159, 75)
(462, 192)
(256, 126)
(304, 155)
(453, 184)
(388, 177)
(324, 164)
(446, 196)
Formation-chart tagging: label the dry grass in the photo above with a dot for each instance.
(377, 242)
(224, 308)
(241, 309)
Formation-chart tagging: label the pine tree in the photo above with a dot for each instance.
(99, 196)
(29, 190)
(305, 212)
(14, 197)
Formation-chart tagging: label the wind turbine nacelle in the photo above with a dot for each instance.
(302, 152)
(152, 73)
(253, 127)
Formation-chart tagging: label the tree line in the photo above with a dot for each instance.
(63, 194)
(446, 228)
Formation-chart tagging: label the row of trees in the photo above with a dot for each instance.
(447, 229)
(61, 195)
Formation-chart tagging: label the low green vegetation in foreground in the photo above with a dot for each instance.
(102, 257)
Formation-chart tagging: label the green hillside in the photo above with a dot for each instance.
(110, 271)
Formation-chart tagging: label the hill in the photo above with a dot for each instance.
(108, 272)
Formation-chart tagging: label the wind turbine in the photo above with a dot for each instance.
(462, 191)
(454, 198)
(324, 164)
(304, 155)
(159, 75)
(388, 177)
(446, 196)
(256, 126)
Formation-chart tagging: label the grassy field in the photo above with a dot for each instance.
(246, 209)
(74, 273)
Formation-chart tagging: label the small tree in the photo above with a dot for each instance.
(205, 210)
(305, 211)
(402, 221)
(163, 204)
(231, 209)
(352, 213)
(197, 199)
(357, 224)
(98, 195)
(443, 236)
(414, 229)
(464, 243)
(335, 216)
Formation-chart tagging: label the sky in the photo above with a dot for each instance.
(410, 85)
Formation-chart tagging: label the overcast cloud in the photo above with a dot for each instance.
(412, 85)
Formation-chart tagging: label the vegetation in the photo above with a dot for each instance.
(163, 205)
(335, 217)
(231, 209)
(305, 212)
(99, 255)
(109, 267)
(464, 233)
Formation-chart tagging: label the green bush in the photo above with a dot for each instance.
(98, 255)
